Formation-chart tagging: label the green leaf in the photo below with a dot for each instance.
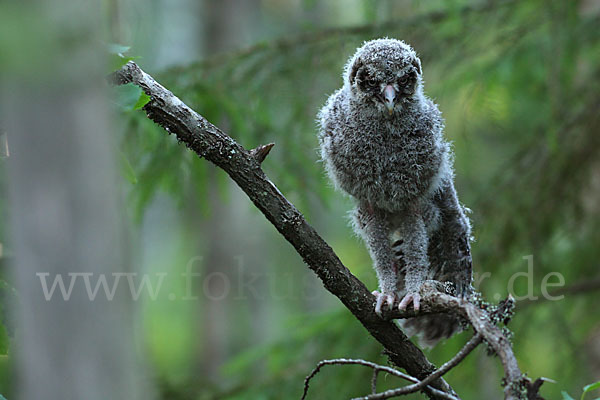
(142, 101)
(589, 388)
(117, 61)
(117, 57)
(127, 97)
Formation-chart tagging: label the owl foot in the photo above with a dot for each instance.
(413, 298)
(383, 298)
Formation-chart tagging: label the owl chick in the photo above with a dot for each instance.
(382, 143)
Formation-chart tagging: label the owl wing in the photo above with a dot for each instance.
(450, 247)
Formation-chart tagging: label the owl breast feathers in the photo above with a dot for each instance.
(382, 143)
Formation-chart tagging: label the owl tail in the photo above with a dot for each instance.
(430, 329)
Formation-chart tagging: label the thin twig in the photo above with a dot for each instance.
(467, 348)
(375, 367)
(374, 381)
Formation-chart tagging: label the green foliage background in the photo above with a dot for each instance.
(518, 83)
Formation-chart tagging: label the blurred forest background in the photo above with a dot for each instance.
(518, 83)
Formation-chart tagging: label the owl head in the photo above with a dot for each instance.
(384, 73)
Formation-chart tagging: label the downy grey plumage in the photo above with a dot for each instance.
(382, 143)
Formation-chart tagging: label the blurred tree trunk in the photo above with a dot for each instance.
(228, 23)
(65, 213)
(221, 33)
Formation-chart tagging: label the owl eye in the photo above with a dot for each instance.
(372, 82)
(403, 81)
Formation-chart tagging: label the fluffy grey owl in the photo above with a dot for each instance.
(382, 142)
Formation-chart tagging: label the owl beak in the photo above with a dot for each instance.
(389, 95)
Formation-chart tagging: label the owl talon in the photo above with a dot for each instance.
(413, 298)
(383, 298)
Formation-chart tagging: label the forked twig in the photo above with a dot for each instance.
(375, 367)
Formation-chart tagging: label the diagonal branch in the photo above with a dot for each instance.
(244, 168)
